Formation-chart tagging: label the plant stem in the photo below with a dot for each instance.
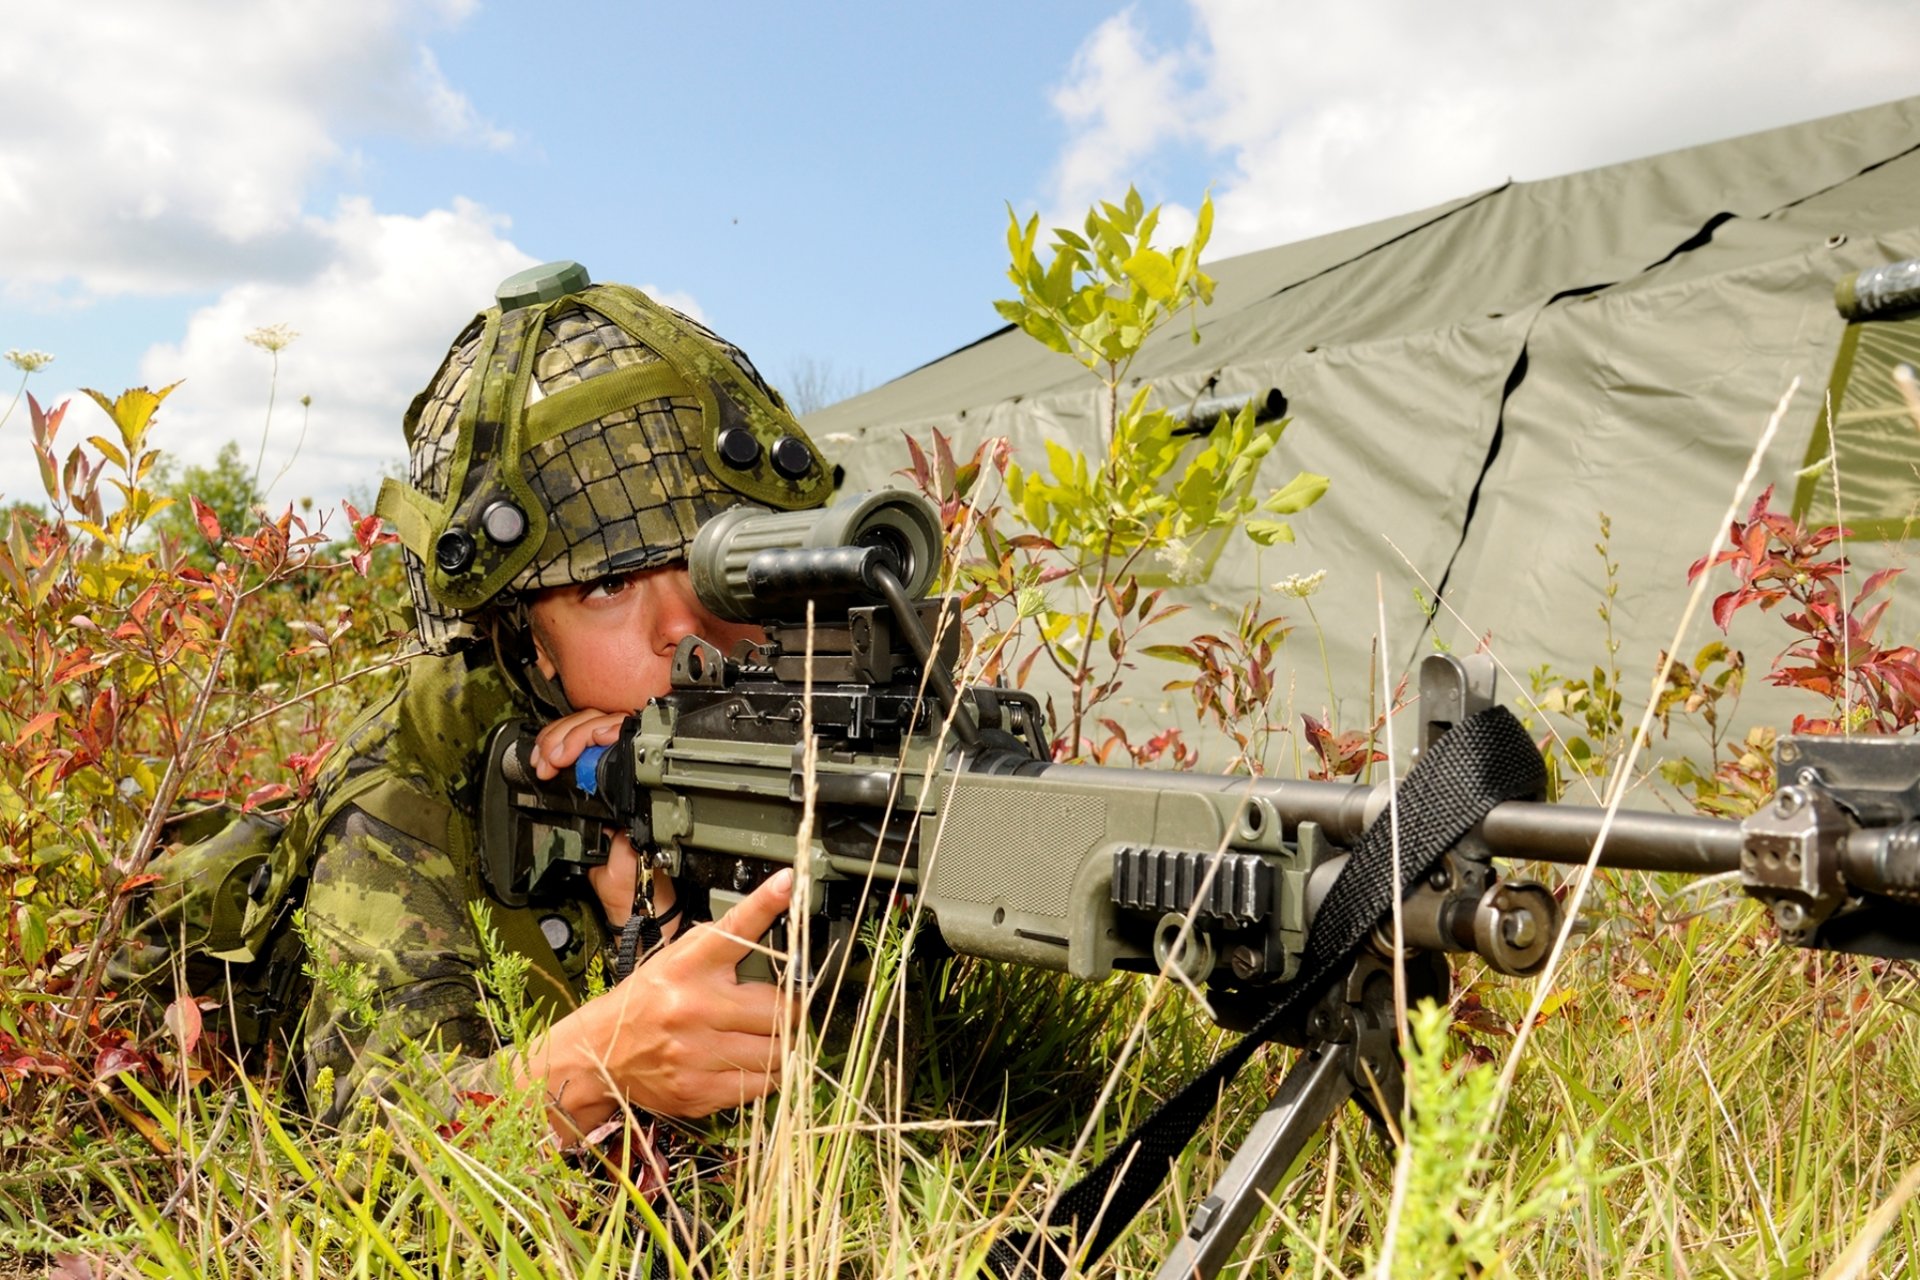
(163, 798)
(1079, 675)
(1326, 668)
(273, 385)
(15, 402)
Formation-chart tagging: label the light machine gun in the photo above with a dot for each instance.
(920, 788)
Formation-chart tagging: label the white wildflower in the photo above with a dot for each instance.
(1179, 556)
(29, 361)
(273, 337)
(1301, 585)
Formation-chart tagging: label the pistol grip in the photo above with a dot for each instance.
(756, 966)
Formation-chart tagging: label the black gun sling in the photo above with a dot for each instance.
(1479, 763)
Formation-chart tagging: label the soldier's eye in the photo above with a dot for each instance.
(607, 588)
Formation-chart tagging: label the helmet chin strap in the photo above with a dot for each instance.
(516, 654)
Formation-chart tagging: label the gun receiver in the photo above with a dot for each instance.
(840, 745)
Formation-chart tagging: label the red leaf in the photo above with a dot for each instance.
(46, 422)
(1317, 732)
(209, 522)
(1863, 626)
(307, 764)
(74, 665)
(1723, 607)
(27, 1064)
(943, 462)
(143, 604)
(38, 724)
(921, 471)
(140, 881)
(367, 529)
(184, 1020)
(1875, 582)
(263, 795)
(115, 1059)
(103, 716)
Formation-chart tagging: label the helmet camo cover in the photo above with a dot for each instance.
(587, 433)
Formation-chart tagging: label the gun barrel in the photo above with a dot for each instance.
(1637, 841)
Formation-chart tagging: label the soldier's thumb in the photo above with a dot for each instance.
(756, 913)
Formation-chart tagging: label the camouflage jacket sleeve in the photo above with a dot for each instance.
(396, 1001)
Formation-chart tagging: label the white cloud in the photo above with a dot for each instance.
(453, 111)
(1122, 100)
(1321, 116)
(374, 323)
(155, 148)
(685, 303)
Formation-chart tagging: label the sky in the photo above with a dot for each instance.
(827, 185)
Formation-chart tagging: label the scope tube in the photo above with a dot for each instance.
(905, 525)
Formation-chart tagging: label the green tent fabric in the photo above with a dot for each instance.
(1484, 380)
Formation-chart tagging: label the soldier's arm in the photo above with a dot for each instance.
(682, 1036)
(388, 914)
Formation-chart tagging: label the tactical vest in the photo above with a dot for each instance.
(220, 918)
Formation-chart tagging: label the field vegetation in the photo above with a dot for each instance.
(1688, 1099)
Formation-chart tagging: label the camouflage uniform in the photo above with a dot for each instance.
(607, 429)
(395, 874)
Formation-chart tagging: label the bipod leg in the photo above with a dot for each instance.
(1350, 1054)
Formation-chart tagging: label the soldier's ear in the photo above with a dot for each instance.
(541, 659)
(536, 635)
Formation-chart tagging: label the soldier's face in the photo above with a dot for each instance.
(612, 643)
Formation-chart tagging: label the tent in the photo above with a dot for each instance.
(1484, 379)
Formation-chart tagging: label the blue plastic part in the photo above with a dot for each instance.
(586, 770)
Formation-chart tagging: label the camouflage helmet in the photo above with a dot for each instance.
(578, 431)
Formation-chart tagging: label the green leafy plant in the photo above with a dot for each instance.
(1454, 1215)
(1156, 487)
(141, 686)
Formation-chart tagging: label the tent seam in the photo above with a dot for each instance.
(1462, 207)
(1835, 186)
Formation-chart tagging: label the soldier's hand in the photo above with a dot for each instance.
(616, 881)
(555, 748)
(682, 1036)
(560, 743)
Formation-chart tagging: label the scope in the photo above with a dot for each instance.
(750, 564)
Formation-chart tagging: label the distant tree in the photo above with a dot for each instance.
(814, 384)
(19, 507)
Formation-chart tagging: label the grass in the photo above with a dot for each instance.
(1702, 1105)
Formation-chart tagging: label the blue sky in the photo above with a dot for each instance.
(825, 184)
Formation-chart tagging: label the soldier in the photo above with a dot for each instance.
(561, 460)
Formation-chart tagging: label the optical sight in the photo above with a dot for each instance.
(750, 564)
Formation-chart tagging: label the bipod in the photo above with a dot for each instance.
(1348, 1051)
